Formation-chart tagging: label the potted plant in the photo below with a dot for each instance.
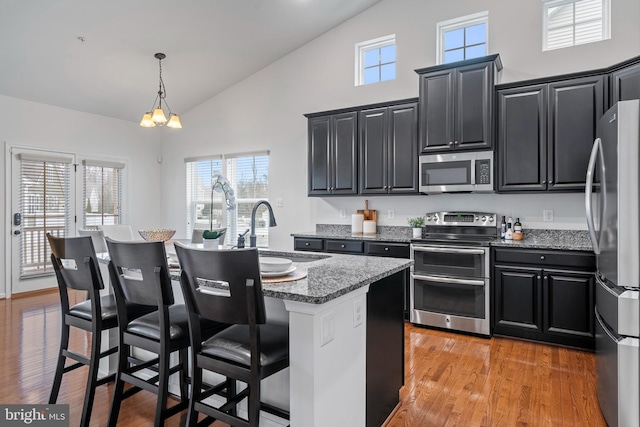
(219, 184)
(416, 224)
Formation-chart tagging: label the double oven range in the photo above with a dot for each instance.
(450, 276)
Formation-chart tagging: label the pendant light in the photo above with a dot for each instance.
(156, 116)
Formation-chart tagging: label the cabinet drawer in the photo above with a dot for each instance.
(395, 250)
(568, 259)
(304, 244)
(345, 246)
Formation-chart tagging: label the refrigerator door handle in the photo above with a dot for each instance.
(588, 192)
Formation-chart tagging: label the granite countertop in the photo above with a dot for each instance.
(573, 240)
(331, 275)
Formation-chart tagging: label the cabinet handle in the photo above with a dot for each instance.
(342, 246)
(542, 257)
(384, 187)
(544, 182)
(538, 277)
(307, 244)
(450, 142)
(546, 277)
(386, 249)
(550, 182)
(455, 142)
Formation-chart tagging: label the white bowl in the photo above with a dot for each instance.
(273, 264)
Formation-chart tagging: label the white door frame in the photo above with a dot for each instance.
(9, 195)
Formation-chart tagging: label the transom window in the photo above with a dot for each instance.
(463, 38)
(574, 22)
(376, 60)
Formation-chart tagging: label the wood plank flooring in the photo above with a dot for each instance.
(451, 379)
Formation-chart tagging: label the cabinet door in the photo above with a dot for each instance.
(575, 106)
(569, 306)
(517, 301)
(402, 149)
(319, 180)
(436, 111)
(473, 106)
(373, 151)
(344, 154)
(625, 84)
(522, 139)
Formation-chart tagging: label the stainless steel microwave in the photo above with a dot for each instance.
(457, 172)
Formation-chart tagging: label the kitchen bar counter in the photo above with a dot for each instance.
(572, 240)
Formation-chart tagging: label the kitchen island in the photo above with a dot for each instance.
(346, 338)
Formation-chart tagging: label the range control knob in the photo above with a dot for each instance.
(484, 218)
(491, 219)
(429, 218)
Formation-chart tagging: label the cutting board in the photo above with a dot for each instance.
(369, 214)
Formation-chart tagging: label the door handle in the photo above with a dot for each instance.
(16, 232)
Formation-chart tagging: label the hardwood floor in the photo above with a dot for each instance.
(451, 379)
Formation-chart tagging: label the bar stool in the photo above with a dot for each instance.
(225, 286)
(75, 265)
(140, 275)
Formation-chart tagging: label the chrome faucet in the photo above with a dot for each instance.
(272, 221)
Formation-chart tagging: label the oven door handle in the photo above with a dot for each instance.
(449, 250)
(449, 280)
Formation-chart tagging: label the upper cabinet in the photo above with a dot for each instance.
(388, 143)
(546, 131)
(625, 81)
(456, 105)
(364, 150)
(332, 157)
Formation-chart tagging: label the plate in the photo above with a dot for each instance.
(279, 273)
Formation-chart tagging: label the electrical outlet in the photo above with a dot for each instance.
(358, 313)
(547, 215)
(391, 214)
(279, 202)
(327, 328)
(343, 213)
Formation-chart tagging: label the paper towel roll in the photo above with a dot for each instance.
(356, 223)
(369, 227)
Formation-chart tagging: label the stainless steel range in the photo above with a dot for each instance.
(450, 277)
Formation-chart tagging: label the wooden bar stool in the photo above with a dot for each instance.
(140, 275)
(225, 286)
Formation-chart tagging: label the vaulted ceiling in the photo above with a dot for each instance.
(97, 56)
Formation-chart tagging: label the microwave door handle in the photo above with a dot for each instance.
(449, 250)
(449, 280)
(588, 193)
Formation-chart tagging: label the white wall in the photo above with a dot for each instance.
(42, 126)
(265, 111)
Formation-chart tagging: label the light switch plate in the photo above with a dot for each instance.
(358, 313)
(547, 215)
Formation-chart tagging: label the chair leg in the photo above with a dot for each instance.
(92, 378)
(57, 379)
(183, 360)
(196, 390)
(254, 402)
(231, 392)
(163, 388)
(118, 388)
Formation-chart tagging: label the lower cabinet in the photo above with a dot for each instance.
(544, 295)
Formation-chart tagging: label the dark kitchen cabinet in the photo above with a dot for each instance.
(545, 296)
(388, 142)
(545, 133)
(625, 81)
(332, 159)
(456, 105)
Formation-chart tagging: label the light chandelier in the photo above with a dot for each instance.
(156, 116)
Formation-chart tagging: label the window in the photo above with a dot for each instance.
(376, 60)
(248, 175)
(101, 193)
(573, 22)
(463, 38)
(45, 206)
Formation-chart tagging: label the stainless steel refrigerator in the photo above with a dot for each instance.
(612, 199)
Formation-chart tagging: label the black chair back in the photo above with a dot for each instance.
(225, 297)
(138, 267)
(74, 262)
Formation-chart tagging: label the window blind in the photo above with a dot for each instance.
(101, 193)
(574, 22)
(45, 204)
(201, 212)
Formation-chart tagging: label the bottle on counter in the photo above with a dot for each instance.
(503, 228)
(517, 230)
(510, 224)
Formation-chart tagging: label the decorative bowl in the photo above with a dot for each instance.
(159, 235)
(274, 265)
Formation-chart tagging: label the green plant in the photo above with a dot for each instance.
(416, 222)
(208, 234)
